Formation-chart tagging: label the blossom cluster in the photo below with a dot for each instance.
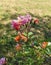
(24, 37)
(21, 20)
(3, 61)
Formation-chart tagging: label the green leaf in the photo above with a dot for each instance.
(48, 51)
(30, 33)
(32, 37)
(25, 33)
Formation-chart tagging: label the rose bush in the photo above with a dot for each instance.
(25, 48)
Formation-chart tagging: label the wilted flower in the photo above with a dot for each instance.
(2, 61)
(17, 38)
(24, 38)
(36, 21)
(44, 44)
(18, 47)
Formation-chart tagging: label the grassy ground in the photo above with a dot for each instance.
(10, 8)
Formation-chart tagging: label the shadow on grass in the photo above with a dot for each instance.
(8, 15)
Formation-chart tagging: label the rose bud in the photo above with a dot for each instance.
(36, 21)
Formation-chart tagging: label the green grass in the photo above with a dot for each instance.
(37, 7)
